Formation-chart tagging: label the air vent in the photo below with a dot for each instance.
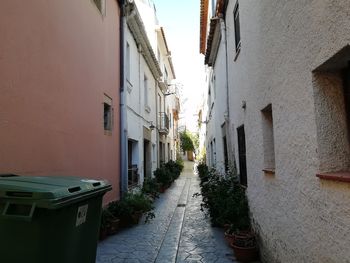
(96, 184)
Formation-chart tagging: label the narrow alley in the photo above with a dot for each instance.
(180, 232)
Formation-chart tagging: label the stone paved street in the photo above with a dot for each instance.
(179, 233)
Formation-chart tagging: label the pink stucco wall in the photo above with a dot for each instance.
(57, 60)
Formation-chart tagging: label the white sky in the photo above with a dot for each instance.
(180, 19)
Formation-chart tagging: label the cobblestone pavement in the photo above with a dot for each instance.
(179, 233)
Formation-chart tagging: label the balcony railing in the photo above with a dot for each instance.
(133, 176)
(163, 123)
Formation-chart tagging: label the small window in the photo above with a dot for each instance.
(100, 4)
(127, 62)
(145, 86)
(268, 139)
(331, 83)
(237, 27)
(107, 113)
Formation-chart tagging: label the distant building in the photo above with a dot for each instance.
(288, 78)
(59, 100)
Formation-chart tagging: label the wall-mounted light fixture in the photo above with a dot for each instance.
(244, 104)
(152, 127)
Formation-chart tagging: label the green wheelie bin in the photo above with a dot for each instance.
(49, 219)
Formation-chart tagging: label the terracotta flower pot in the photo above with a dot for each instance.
(113, 226)
(229, 238)
(136, 216)
(245, 254)
(244, 246)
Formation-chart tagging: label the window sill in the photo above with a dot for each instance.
(269, 171)
(108, 133)
(342, 176)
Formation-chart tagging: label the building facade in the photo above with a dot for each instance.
(213, 45)
(141, 79)
(59, 82)
(288, 78)
(148, 107)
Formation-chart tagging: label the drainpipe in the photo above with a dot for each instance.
(227, 115)
(123, 119)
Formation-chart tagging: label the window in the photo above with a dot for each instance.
(242, 156)
(237, 27)
(268, 140)
(100, 4)
(165, 74)
(154, 158)
(211, 154)
(107, 113)
(145, 87)
(332, 103)
(224, 140)
(169, 156)
(127, 62)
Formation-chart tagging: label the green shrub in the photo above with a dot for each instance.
(224, 199)
(132, 203)
(180, 163)
(138, 202)
(151, 187)
(174, 169)
(203, 173)
(163, 176)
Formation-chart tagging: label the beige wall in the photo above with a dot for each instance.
(299, 217)
(57, 60)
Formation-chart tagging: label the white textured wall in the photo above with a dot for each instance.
(299, 217)
(137, 116)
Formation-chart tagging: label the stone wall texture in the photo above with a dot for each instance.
(299, 217)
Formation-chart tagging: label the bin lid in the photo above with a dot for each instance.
(50, 191)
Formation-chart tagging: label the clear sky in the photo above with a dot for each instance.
(180, 19)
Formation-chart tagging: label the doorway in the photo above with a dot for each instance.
(242, 156)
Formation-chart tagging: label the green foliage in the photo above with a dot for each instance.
(132, 203)
(201, 157)
(150, 187)
(186, 141)
(224, 199)
(174, 169)
(180, 163)
(168, 172)
(106, 218)
(163, 176)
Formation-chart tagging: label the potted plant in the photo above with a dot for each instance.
(244, 246)
(150, 187)
(103, 225)
(163, 177)
(244, 240)
(139, 204)
(120, 209)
